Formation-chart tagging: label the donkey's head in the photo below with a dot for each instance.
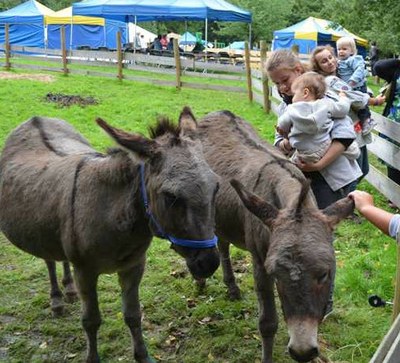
(301, 259)
(180, 189)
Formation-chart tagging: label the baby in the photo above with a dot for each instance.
(351, 68)
(307, 122)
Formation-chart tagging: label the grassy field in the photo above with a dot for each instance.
(180, 324)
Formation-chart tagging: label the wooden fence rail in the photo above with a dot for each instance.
(200, 66)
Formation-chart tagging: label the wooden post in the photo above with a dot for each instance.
(177, 64)
(64, 51)
(7, 47)
(248, 70)
(396, 300)
(264, 79)
(119, 55)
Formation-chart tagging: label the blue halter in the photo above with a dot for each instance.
(207, 243)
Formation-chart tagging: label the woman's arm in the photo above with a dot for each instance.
(334, 151)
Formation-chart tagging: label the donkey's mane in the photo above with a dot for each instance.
(164, 126)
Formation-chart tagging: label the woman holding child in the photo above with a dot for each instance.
(324, 62)
(331, 176)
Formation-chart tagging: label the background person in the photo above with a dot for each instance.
(389, 70)
(373, 58)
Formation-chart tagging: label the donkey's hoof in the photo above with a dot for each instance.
(234, 293)
(71, 297)
(70, 293)
(57, 306)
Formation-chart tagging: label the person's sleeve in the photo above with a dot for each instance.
(394, 226)
(386, 68)
(358, 65)
(285, 122)
(339, 108)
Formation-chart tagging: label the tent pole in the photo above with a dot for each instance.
(251, 45)
(70, 34)
(206, 36)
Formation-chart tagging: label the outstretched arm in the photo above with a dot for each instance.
(364, 203)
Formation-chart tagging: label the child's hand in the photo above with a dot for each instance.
(281, 132)
(361, 199)
(342, 94)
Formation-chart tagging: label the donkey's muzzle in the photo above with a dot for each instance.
(204, 264)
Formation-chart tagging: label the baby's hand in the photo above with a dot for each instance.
(281, 132)
(342, 94)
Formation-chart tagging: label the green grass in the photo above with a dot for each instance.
(181, 324)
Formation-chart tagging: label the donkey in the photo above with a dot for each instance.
(63, 201)
(290, 241)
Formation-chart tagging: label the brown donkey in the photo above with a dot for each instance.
(62, 201)
(291, 245)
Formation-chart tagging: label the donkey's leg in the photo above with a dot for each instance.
(229, 277)
(268, 319)
(129, 281)
(68, 282)
(56, 296)
(86, 282)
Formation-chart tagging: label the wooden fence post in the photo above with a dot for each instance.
(177, 64)
(119, 55)
(248, 70)
(264, 77)
(396, 300)
(64, 51)
(7, 48)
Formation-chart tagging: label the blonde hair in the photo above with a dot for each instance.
(349, 41)
(313, 61)
(313, 81)
(283, 59)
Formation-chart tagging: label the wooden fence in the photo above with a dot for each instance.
(177, 65)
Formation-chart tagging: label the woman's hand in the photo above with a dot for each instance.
(308, 166)
(377, 101)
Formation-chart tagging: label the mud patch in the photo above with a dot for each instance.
(32, 77)
(69, 100)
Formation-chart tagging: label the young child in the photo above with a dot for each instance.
(387, 222)
(308, 121)
(351, 68)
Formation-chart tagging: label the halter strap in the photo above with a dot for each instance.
(208, 243)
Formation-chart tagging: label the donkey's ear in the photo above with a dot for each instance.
(339, 210)
(133, 142)
(261, 209)
(187, 121)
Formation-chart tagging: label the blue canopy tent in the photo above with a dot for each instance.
(163, 10)
(26, 24)
(311, 32)
(83, 31)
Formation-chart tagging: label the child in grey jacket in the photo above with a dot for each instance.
(308, 121)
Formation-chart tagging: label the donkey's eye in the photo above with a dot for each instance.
(323, 277)
(169, 199)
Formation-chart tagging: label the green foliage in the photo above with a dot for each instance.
(180, 323)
